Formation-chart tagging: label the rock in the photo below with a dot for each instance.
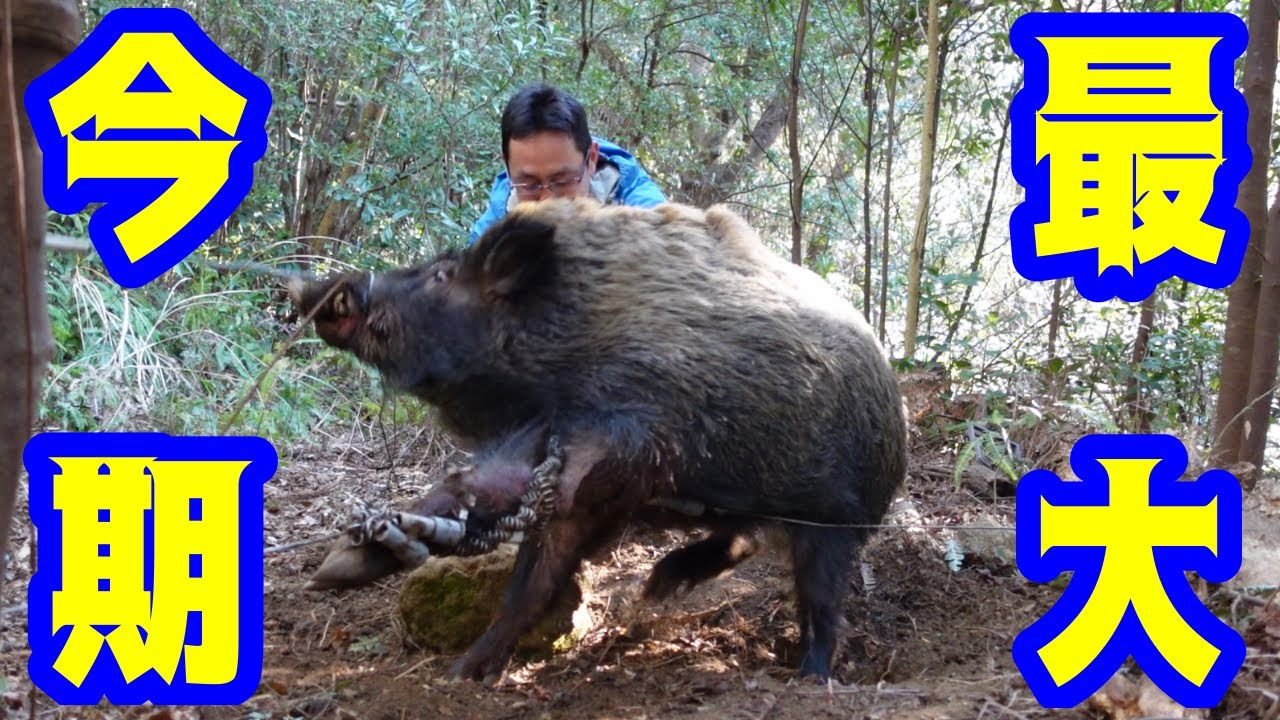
(450, 601)
(992, 546)
(1127, 698)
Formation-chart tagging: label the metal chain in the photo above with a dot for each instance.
(537, 506)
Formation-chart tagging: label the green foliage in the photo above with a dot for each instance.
(1180, 370)
(180, 353)
(383, 144)
(370, 645)
(990, 441)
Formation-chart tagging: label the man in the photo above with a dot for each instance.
(549, 152)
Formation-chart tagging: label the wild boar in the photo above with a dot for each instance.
(678, 360)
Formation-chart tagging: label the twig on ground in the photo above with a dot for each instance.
(1004, 709)
(415, 666)
(856, 689)
(301, 543)
(1268, 694)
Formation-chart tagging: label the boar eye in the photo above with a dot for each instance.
(441, 275)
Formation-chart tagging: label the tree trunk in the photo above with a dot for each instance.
(1055, 325)
(793, 132)
(869, 99)
(1134, 404)
(37, 34)
(1242, 303)
(915, 262)
(584, 41)
(712, 184)
(1266, 349)
(363, 129)
(890, 130)
(653, 51)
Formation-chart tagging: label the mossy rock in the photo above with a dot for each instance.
(449, 602)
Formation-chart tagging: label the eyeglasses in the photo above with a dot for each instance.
(533, 190)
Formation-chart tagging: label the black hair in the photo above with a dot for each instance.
(539, 107)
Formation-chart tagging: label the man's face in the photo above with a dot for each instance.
(549, 158)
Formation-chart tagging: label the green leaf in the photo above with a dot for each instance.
(966, 455)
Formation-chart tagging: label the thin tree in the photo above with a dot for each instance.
(1266, 352)
(869, 99)
(1055, 325)
(1242, 303)
(890, 131)
(916, 260)
(793, 132)
(1134, 405)
(982, 237)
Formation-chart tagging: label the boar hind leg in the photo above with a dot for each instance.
(823, 559)
(700, 561)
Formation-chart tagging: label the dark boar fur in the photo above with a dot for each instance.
(675, 357)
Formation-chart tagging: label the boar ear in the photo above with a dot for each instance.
(517, 256)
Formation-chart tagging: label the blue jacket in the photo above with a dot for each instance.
(629, 184)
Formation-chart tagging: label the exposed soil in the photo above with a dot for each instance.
(925, 642)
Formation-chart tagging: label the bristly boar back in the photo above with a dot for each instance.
(676, 356)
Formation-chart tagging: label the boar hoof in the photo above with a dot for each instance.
(814, 672)
(475, 666)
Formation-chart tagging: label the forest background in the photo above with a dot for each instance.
(867, 140)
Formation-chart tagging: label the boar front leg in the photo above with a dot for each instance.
(595, 493)
(495, 485)
(350, 566)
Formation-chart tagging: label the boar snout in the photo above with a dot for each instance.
(338, 306)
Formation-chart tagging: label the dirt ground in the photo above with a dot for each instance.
(926, 642)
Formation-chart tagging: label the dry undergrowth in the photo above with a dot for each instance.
(928, 642)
